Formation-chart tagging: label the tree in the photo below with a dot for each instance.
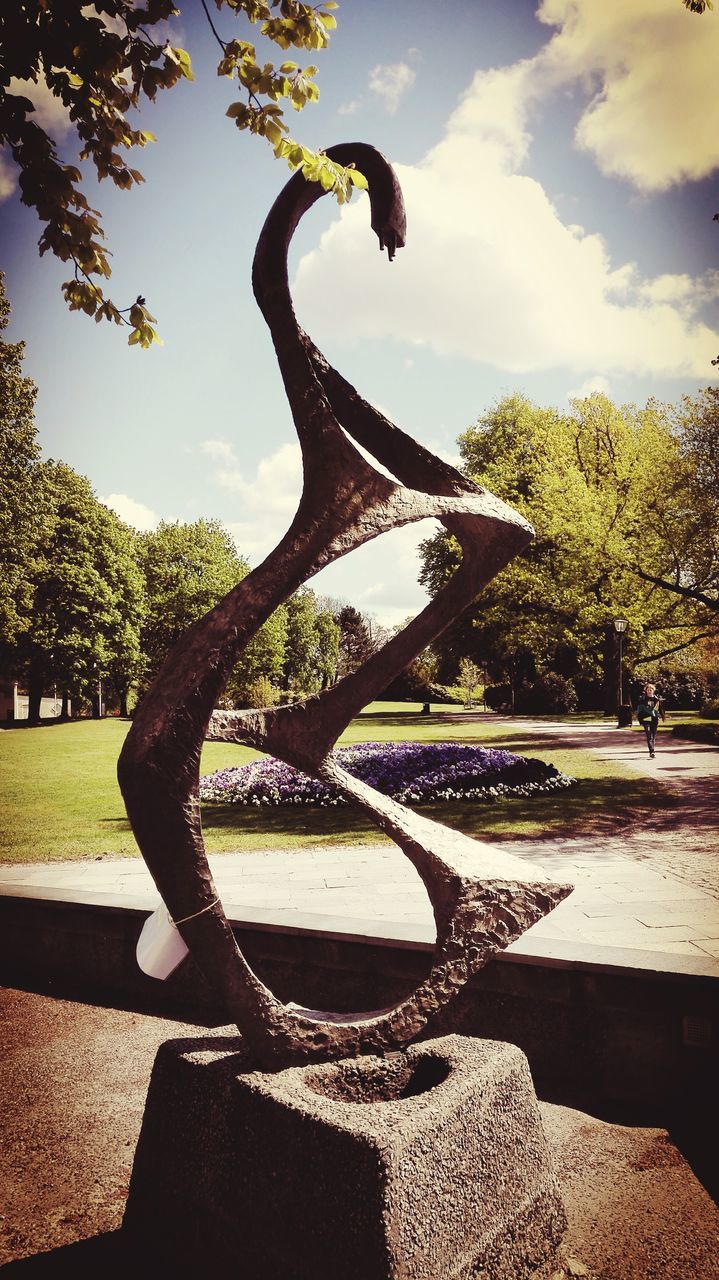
(687, 556)
(120, 564)
(262, 660)
(100, 62)
(590, 482)
(355, 643)
(327, 640)
(262, 693)
(300, 674)
(187, 568)
(86, 590)
(470, 677)
(19, 514)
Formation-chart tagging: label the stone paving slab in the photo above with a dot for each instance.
(621, 906)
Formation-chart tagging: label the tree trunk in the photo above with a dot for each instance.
(123, 695)
(65, 708)
(34, 688)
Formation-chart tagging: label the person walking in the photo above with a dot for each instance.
(649, 709)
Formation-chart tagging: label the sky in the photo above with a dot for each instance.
(558, 163)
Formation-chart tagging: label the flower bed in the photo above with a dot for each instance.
(412, 772)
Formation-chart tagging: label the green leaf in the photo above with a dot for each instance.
(182, 58)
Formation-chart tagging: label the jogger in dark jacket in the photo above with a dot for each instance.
(649, 709)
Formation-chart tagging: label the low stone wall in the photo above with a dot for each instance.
(638, 1040)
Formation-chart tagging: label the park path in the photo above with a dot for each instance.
(650, 887)
(683, 841)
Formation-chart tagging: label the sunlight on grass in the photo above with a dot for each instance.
(60, 799)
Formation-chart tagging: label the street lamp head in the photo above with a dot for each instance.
(620, 625)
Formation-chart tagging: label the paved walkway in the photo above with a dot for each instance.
(653, 891)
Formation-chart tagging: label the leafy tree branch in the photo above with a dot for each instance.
(689, 593)
(99, 63)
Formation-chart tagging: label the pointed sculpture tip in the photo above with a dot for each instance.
(555, 891)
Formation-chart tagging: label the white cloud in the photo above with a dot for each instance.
(8, 177)
(349, 108)
(653, 117)
(490, 272)
(441, 451)
(589, 386)
(276, 485)
(50, 113)
(390, 83)
(133, 513)
(681, 291)
(267, 500)
(380, 578)
(219, 451)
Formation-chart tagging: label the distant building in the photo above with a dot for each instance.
(14, 705)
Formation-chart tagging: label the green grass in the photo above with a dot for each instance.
(59, 797)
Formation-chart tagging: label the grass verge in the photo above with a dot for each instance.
(59, 797)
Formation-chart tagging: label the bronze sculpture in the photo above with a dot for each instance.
(482, 899)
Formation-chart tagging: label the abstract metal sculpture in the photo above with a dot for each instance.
(482, 899)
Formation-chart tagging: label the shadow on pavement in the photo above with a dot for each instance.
(107, 1254)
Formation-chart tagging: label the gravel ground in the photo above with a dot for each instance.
(74, 1079)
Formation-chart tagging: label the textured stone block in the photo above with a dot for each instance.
(429, 1164)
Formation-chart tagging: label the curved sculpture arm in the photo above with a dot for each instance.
(482, 900)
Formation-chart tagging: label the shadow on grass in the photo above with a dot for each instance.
(595, 806)
(397, 718)
(341, 825)
(55, 722)
(598, 805)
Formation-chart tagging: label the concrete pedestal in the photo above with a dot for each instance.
(430, 1164)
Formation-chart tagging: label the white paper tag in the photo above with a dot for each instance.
(160, 947)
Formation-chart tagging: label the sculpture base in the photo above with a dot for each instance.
(430, 1164)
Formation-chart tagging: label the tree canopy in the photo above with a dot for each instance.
(19, 452)
(101, 62)
(187, 569)
(594, 483)
(686, 560)
(355, 641)
(85, 588)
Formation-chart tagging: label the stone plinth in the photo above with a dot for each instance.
(429, 1164)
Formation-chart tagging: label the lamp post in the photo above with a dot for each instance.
(98, 673)
(620, 626)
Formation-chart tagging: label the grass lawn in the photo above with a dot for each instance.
(59, 797)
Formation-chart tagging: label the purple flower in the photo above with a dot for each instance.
(412, 772)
